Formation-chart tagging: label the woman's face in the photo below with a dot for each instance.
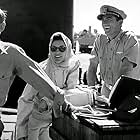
(58, 49)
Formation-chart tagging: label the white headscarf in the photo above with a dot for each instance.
(68, 53)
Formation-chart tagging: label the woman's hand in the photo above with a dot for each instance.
(43, 106)
(102, 101)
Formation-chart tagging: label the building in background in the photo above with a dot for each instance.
(85, 40)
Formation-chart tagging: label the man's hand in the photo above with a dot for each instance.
(58, 102)
(59, 97)
(83, 109)
(102, 101)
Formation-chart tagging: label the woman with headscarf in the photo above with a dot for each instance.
(35, 112)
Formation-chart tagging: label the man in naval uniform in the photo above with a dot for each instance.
(15, 62)
(116, 51)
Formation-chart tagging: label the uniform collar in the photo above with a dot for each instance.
(115, 38)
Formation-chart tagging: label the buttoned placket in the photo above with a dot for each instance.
(109, 62)
(112, 46)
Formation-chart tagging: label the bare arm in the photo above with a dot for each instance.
(130, 58)
(91, 73)
(31, 72)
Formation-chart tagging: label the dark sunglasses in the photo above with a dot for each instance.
(60, 48)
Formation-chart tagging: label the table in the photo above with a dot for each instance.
(66, 128)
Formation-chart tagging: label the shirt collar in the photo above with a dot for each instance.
(116, 38)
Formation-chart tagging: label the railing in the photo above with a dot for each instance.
(8, 117)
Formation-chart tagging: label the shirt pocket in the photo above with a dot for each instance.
(118, 56)
(5, 75)
(4, 86)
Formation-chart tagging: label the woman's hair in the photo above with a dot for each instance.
(57, 37)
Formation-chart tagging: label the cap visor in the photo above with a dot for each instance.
(99, 17)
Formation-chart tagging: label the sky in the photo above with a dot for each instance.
(86, 11)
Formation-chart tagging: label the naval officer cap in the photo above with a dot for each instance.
(110, 10)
